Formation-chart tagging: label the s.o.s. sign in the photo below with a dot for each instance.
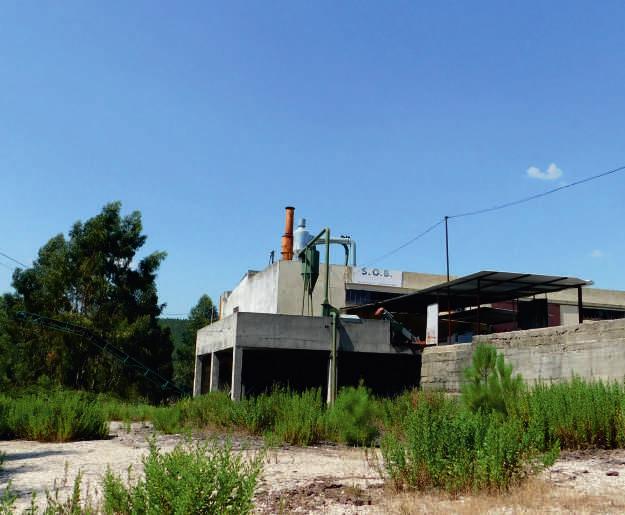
(379, 276)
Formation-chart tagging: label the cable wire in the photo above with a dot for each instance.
(538, 195)
(409, 242)
(13, 259)
(498, 207)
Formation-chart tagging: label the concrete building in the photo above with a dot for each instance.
(249, 353)
(278, 289)
(270, 331)
(262, 339)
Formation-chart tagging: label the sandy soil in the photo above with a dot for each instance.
(324, 479)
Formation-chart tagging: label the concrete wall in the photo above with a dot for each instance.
(217, 336)
(257, 292)
(258, 330)
(569, 314)
(279, 289)
(291, 288)
(592, 350)
(592, 297)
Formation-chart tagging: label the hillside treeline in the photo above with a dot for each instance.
(94, 277)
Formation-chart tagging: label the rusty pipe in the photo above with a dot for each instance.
(287, 237)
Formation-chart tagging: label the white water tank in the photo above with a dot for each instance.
(300, 237)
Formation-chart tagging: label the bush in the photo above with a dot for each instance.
(353, 417)
(58, 416)
(299, 419)
(489, 383)
(440, 444)
(204, 478)
(577, 414)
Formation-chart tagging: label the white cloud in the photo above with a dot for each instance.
(552, 173)
(597, 253)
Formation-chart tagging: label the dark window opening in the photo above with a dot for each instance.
(602, 314)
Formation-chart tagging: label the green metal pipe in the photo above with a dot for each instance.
(312, 242)
(326, 286)
(333, 364)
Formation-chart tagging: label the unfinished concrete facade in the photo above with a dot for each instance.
(278, 289)
(592, 351)
(250, 353)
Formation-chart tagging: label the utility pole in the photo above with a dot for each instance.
(448, 298)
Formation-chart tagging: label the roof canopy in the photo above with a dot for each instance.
(484, 287)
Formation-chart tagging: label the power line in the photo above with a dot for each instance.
(13, 259)
(538, 195)
(498, 207)
(409, 242)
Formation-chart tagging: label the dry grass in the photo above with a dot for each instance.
(534, 496)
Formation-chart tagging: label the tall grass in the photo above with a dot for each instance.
(58, 416)
(441, 444)
(576, 414)
(280, 416)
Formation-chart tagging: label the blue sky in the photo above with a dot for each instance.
(375, 118)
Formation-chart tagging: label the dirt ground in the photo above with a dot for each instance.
(324, 479)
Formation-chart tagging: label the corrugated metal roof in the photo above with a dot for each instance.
(483, 287)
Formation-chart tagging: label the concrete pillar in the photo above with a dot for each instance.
(236, 391)
(213, 384)
(197, 377)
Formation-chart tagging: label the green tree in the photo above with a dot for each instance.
(489, 383)
(92, 278)
(203, 314)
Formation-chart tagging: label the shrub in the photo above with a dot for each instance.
(576, 414)
(489, 382)
(440, 444)
(205, 478)
(300, 418)
(168, 419)
(353, 417)
(58, 416)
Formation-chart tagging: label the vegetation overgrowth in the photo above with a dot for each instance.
(200, 478)
(495, 434)
(57, 416)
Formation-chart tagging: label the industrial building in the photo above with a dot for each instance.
(277, 326)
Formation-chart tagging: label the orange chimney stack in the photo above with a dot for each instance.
(287, 238)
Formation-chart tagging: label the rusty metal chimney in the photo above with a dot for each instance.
(287, 238)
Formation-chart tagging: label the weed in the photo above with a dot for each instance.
(58, 416)
(7, 500)
(445, 446)
(205, 478)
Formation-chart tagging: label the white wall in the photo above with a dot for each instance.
(569, 315)
(256, 293)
